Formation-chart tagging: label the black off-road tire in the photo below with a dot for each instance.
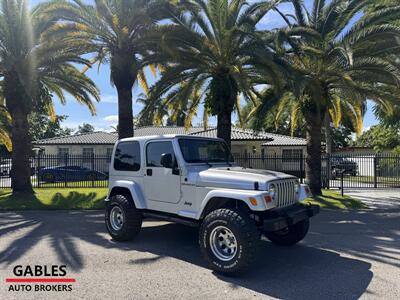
(132, 218)
(245, 232)
(48, 177)
(291, 235)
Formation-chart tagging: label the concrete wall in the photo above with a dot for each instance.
(76, 149)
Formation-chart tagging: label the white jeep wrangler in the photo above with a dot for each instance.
(194, 181)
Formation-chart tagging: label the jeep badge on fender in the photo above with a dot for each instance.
(159, 176)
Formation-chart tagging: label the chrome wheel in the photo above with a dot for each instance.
(116, 218)
(223, 243)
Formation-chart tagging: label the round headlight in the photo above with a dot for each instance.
(272, 190)
(297, 187)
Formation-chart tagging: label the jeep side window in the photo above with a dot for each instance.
(154, 151)
(127, 156)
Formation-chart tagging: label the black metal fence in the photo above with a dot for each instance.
(357, 171)
(61, 171)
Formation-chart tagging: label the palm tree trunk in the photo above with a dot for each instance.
(313, 154)
(22, 147)
(224, 126)
(328, 136)
(125, 114)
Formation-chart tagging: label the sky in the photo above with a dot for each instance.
(107, 110)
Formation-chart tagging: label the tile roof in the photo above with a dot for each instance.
(92, 138)
(284, 140)
(238, 134)
(161, 130)
(271, 139)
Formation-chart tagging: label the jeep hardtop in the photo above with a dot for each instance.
(195, 181)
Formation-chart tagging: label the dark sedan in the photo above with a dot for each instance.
(69, 173)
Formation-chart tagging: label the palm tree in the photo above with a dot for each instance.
(114, 31)
(32, 69)
(336, 63)
(207, 57)
(5, 127)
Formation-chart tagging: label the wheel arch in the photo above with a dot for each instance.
(130, 188)
(223, 202)
(221, 198)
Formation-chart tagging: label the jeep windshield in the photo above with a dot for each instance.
(204, 151)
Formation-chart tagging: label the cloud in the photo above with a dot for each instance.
(111, 118)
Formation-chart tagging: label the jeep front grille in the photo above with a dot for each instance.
(285, 193)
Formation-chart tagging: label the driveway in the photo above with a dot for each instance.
(347, 255)
(376, 198)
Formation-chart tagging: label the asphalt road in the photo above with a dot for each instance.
(347, 255)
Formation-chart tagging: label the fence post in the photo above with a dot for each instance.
(301, 169)
(275, 166)
(92, 169)
(328, 171)
(38, 157)
(375, 171)
(65, 169)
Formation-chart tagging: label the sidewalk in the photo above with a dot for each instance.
(375, 198)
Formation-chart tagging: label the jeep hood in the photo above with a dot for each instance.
(238, 178)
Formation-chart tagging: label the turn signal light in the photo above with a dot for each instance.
(253, 201)
(268, 199)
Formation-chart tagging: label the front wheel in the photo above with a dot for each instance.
(123, 219)
(290, 235)
(229, 240)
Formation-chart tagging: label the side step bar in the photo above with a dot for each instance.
(170, 218)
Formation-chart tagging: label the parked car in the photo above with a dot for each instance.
(194, 181)
(5, 167)
(6, 164)
(69, 173)
(340, 164)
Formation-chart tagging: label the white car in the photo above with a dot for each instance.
(194, 181)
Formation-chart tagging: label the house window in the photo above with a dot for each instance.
(62, 154)
(290, 155)
(87, 154)
(109, 152)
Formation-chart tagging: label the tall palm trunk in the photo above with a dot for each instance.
(21, 141)
(328, 135)
(124, 74)
(125, 114)
(224, 126)
(313, 152)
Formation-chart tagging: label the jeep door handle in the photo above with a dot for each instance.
(149, 172)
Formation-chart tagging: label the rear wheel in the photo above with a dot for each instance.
(48, 177)
(91, 177)
(123, 219)
(229, 240)
(290, 235)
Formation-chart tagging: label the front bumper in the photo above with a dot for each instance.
(285, 217)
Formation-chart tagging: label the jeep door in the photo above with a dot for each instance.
(161, 184)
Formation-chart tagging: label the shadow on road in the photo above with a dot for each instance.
(312, 269)
(299, 272)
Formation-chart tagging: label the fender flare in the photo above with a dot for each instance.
(240, 195)
(133, 188)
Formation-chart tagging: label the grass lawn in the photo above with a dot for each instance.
(333, 199)
(90, 198)
(52, 198)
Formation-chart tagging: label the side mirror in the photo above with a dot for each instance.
(166, 160)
